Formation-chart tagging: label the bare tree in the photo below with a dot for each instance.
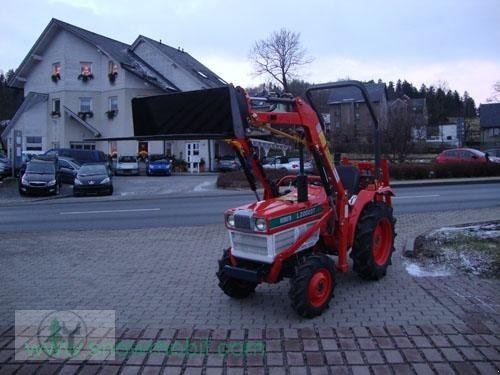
(495, 97)
(397, 135)
(279, 56)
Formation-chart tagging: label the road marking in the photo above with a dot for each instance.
(107, 211)
(416, 196)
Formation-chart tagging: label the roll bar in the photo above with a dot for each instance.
(361, 87)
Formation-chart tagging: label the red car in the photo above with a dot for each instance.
(464, 155)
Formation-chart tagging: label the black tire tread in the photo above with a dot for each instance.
(300, 282)
(362, 251)
(232, 287)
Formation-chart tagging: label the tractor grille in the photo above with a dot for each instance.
(284, 239)
(242, 222)
(249, 243)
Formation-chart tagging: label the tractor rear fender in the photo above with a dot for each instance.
(382, 194)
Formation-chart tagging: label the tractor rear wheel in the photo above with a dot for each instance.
(374, 241)
(312, 286)
(233, 287)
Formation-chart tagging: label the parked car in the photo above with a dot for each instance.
(228, 163)
(40, 177)
(464, 155)
(159, 164)
(93, 179)
(495, 152)
(81, 156)
(68, 168)
(288, 163)
(5, 167)
(127, 165)
(26, 156)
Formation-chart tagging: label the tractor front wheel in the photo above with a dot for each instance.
(374, 241)
(312, 286)
(233, 287)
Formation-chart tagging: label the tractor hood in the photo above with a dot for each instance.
(282, 212)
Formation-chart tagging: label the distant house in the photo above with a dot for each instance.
(489, 121)
(448, 135)
(349, 115)
(416, 112)
(78, 88)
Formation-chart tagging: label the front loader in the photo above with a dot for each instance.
(292, 234)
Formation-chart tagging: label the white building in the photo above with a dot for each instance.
(78, 88)
(448, 135)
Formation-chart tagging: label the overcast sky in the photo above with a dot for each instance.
(425, 41)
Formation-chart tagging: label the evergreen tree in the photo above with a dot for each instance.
(391, 93)
(10, 98)
(399, 89)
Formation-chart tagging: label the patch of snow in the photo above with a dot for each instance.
(417, 271)
(480, 231)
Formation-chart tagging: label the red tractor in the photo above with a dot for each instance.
(292, 234)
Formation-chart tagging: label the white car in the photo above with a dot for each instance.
(127, 165)
(285, 162)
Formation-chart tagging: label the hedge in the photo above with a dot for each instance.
(401, 171)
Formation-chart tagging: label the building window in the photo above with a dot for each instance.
(85, 71)
(82, 146)
(56, 72)
(202, 74)
(33, 143)
(56, 107)
(113, 103)
(112, 71)
(85, 104)
(112, 107)
(493, 132)
(85, 108)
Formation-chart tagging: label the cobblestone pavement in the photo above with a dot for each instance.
(162, 284)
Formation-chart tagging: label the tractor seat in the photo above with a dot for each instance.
(349, 176)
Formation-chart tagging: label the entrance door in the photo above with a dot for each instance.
(193, 156)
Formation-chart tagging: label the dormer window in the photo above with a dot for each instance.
(56, 72)
(86, 71)
(112, 71)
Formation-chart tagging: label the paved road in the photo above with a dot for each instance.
(86, 214)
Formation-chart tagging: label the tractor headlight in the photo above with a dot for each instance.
(260, 224)
(230, 220)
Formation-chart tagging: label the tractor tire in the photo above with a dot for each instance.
(311, 288)
(232, 287)
(374, 241)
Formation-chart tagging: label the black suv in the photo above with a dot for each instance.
(41, 177)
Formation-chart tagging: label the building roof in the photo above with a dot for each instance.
(489, 115)
(121, 53)
(200, 72)
(33, 98)
(376, 91)
(82, 122)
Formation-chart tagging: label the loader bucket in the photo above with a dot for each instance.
(204, 114)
